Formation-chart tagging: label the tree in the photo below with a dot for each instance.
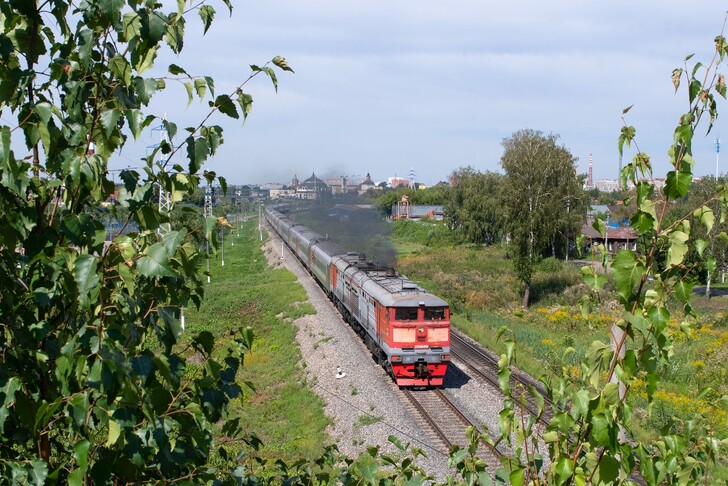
(540, 188)
(711, 256)
(473, 207)
(94, 386)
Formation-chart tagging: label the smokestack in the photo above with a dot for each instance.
(590, 181)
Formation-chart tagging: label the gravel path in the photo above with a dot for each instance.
(364, 405)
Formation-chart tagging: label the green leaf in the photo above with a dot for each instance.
(564, 469)
(176, 33)
(109, 121)
(610, 394)
(146, 61)
(197, 151)
(80, 454)
(38, 471)
(700, 247)
(226, 106)
(176, 70)
(626, 136)
(608, 470)
(627, 272)
(282, 63)
(598, 225)
(120, 67)
(145, 88)
(207, 14)
(602, 430)
(7, 394)
(84, 272)
(683, 290)
(659, 316)
(593, 278)
(135, 118)
(114, 433)
(155, 262)
(111, 8)
(678, 247)
(5, 149)
(245, 101)
(44, 110)
(706, 217)
(677, 184)
(200, 87)
(190, 94)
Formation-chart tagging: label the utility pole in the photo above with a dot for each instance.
(222, 246)
(164, 197)
(717, 155)
(208, 214)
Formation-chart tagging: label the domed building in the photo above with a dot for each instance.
(312, 188)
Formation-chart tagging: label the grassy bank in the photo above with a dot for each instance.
(286, 415)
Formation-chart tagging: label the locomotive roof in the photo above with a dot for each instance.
(388, 286)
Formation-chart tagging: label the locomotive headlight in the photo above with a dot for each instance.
(421, 329)
(445, 357)
(396, 358)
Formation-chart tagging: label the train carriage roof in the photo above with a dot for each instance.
(330, 248)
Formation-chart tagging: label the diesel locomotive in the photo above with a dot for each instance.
(406, 328)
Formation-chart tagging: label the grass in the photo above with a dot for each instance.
(282, 411)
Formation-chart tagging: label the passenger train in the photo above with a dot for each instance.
(406, 328)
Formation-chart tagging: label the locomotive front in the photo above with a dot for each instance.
(419, 349)
(413, 331)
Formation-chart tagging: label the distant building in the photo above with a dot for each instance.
(312, 188)
(398, 182)
(286, 192)
(367, 184)
(607, 185)
(404, 210)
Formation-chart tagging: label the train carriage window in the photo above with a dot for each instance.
(434, 313)
(405, 313)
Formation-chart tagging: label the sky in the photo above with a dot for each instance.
(385, 87)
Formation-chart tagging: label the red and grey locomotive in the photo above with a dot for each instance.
(406, 328)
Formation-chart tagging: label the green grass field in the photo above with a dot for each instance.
(282, 411)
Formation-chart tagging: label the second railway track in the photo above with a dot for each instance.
(485, 367)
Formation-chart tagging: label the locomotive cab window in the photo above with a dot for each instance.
(405, 313)
(434, 313)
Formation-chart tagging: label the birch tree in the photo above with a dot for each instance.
(538, 176)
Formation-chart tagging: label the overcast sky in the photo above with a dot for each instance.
(389, 86)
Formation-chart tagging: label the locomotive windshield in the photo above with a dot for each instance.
(405, 313)
(434, 313)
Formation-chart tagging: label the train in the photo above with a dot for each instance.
(405, 327)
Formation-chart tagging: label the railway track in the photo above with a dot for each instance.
(443, 417)
(485, 366)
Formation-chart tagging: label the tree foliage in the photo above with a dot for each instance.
(94, 383)
(473, 206)
(542, 197)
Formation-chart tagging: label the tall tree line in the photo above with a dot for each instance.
(536, 204)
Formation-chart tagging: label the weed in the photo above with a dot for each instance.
(365, 420)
